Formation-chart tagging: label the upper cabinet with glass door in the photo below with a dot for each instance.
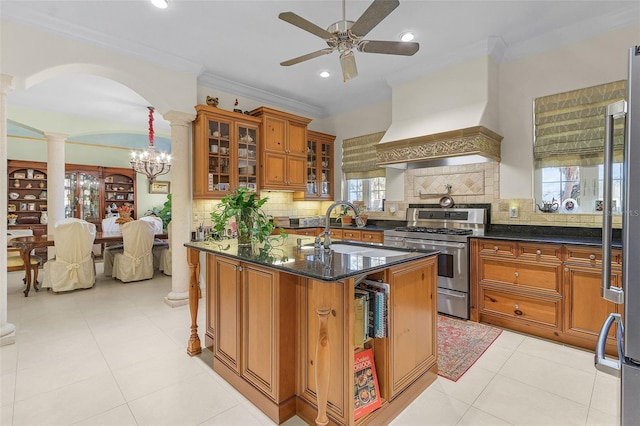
(319, 173)
(569, 147)
(225, 152)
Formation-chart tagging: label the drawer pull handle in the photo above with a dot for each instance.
(566, 269)
(538, 252)
(518, 312)
(495, 248)
(592, 257)
(517, 274)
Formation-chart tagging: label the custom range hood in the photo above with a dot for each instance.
(444, 118)
(475, 144)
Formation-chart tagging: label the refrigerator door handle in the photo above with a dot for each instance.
(609, 366)
(613, 111)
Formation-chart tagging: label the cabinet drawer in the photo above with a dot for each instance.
(372, 237)
(540, 252)
(502, 248)
(520, 307)
(545, 277)
(351, 235)
(591, 255)
(336, 233)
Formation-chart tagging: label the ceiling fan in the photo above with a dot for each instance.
(345, 35)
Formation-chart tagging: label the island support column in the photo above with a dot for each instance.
(193, 260)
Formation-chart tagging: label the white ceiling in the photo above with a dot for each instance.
(237, 45)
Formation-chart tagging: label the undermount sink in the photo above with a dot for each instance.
(365, 250)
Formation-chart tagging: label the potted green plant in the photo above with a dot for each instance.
(243, 206)
(345, 217)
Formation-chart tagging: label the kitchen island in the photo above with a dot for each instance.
(280, 323)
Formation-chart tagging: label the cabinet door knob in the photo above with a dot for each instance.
(240, 268)
(495, 248)
(566, 269)
(538, 252)
(517, 274)
(592, 257)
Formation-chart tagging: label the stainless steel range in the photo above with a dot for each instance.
(448, 231)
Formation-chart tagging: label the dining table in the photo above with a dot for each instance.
(29, 243)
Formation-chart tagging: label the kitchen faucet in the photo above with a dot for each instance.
(327, 232)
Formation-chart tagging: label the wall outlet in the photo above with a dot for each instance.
(513, 212)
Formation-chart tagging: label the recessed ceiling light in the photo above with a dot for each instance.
(325, 74)
(406, 36)
(160, 4)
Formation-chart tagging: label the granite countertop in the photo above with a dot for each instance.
(309, 262)
(552, 234)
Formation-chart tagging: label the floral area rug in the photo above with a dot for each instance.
(460, 344)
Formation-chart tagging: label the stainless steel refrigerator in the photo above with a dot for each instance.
(627, 366)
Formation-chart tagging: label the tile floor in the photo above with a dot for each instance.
(116, 355)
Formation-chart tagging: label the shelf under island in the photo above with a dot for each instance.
(280, 323)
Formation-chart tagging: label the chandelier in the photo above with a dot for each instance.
(150, 162)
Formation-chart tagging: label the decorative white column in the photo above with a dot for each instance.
(7, 330)
(55, 181)
(180, 206)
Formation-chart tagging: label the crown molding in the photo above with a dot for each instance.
(17, 13)
(213, 81)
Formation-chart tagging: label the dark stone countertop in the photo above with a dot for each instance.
(552, 234)
(309, 262)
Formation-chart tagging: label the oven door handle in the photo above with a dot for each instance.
(435, 243)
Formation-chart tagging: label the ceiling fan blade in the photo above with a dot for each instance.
(302, 23)
(348, 63)
(306, 57)
(388, 47)
(375, 13)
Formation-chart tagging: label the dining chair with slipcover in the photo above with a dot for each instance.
(159, 246)
(73, 266)
(135, 263)
(165, 255)
(109, 250)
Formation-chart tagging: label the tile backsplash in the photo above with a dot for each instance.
(470, 184)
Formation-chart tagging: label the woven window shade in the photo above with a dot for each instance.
(359, 157)
(569, 126)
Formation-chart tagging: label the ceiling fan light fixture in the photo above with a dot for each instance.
(160, 4)
(408, 36)
(348, 63)
(325, 74)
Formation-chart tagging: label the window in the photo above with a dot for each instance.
(568, 148)
(365, 181)
(370, 191)
(581, 184)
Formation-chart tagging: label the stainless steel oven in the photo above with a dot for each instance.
(448, 231)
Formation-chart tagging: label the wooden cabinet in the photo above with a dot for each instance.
(412, 323)
(283, 150)
(252, 323)
(308, 232)
(585, 309)
(27, 192)
(520, 284)
(548, 290)
(119, 189)
(90, 192)
(372, 237)
(402, 359)
(225, 152)
(319, 170)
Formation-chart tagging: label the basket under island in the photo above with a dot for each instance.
(280, 323)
